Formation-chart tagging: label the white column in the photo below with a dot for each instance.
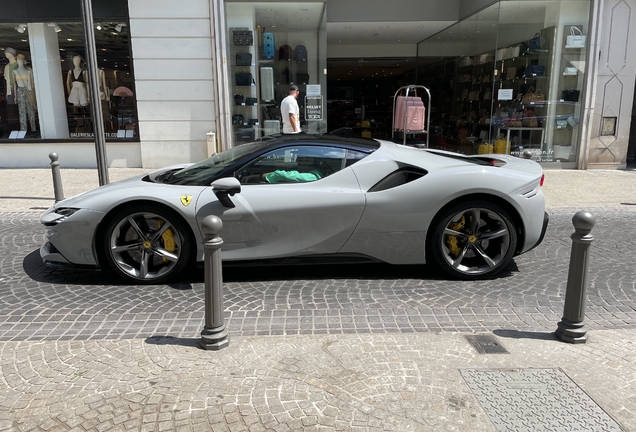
(49, 87)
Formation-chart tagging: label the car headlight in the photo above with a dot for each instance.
(66, 212)
(59, 215)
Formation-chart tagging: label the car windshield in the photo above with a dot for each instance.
(201, 172)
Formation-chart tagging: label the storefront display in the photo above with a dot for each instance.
(518, 80)
(44, 90)
(269, 54)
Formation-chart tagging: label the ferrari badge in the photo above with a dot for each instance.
(186, 200)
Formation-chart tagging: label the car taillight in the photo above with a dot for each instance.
(542, 179)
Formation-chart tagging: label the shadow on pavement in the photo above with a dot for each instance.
(516, 334)
(40, 272)
(171, 340)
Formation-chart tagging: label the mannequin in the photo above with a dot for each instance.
(77, 83)
(103, 90)
(24, 93)
(10, 54)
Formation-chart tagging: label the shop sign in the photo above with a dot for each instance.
(313, 107)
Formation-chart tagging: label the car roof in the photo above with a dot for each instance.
(362, 144)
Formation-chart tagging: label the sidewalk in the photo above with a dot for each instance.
(364, 382)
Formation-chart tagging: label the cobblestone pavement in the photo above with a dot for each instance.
(40, 303)
(356, 348)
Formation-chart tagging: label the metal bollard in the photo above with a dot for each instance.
(57, 178)
(214, 335)
(571, 328)
(527, 154)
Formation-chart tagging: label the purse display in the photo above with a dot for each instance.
(534, 44)
(532, 96)
(244, 79)
(570, 95)
(534, 70)
(243, 59)
(576, 38)
(250, 101)
(243, 37)
(570, 71)
(561, 124)
(237, 119)
(239, 99)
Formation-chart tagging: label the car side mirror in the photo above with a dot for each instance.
(225, 188)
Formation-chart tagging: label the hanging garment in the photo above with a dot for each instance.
(78, 96)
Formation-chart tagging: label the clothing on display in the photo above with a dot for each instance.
(24, 92)
(78, 95)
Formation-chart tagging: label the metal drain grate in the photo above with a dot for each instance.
(486, 344)
(527, 400)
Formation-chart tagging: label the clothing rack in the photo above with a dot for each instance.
(412, 88)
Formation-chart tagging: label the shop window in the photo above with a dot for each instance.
(44, 91)
(517, 80)
(273, 46)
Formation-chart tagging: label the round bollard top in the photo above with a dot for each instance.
(54, 157)
(211, 226)
(527, 154)
(583, 222)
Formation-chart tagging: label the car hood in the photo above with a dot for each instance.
(108, 196)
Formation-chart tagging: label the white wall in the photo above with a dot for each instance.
(172, 56)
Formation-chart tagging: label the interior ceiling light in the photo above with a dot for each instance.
(98, 27)
(20, 28)
(120, 26)
(55, 27)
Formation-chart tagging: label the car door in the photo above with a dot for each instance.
(294, 215)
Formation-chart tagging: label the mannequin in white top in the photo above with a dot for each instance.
(77, 83)
(23, 88)
(10, 54)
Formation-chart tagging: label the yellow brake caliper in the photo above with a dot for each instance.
(452, 240)
(168, 240)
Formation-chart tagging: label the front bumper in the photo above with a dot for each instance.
(70, 240)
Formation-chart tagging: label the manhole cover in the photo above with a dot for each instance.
(536, 400)
(486, 344)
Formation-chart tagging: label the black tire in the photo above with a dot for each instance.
(147, 233)
(472, 240)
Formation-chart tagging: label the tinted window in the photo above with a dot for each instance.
(294, 164)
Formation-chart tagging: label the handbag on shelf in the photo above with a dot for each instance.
(534, 70)
(534, 44)
(530, 122)
(243, 59)
(561, 124)
(573, 121)
(250, 101)
(244, 79)
(238, 119)
(532, 96)
(576, 38)
(511, 72)
(239, 99)
(570, 95)
(570, 71)
(243, 37)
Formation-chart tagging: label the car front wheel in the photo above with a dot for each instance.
(146, 244)
(472, 240)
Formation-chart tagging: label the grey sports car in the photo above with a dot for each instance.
(308, 197)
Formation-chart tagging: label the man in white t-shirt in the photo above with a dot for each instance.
(290, 112)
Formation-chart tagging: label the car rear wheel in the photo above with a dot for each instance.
(146, 244)
(473, 240)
